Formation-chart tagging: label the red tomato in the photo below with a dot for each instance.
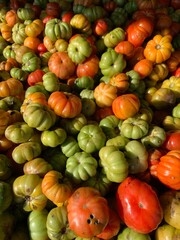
(138, 205)
(88, 212)
(176, 73)
(139, 30)
(35, 77)
(66, 17)
(41, 48)
(47, 18)
(172, 141)
(113, 226)
(175, 4)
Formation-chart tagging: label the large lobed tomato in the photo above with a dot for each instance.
(139, 30)
(138, 205)
(88, 212)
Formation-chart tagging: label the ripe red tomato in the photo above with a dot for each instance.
(138, 205)
(66, 17)
(172, 141)
(88, 212)
(176, 73)
(139, 30)
(41, 48)
(35, 77)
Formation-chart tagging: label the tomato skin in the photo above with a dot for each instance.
(138, 205)
(176, 73)
(172, 140)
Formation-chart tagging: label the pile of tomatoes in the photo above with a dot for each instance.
(89, 119)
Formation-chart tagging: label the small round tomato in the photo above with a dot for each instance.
(41, 48)
(35, 77)
(172, 140)
(66, 17)
(138, 205)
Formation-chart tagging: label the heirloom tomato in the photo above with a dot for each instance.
(138, 205)
(139, 30)
(88, 212)
(172, 140)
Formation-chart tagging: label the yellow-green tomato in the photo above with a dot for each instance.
(27, 187)
(114, 163)
(19, 132)
(137, 156)
(170, 202)
(130, 234)
(167, 232)
(53, 138)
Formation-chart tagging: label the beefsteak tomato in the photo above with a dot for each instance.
(138, 205)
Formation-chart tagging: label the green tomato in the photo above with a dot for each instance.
(91, 138)
(5, 167)
(10, 102)
(51, 82)
(53, 138)
(74, 125)
(79, 49)
(84, 82)
(114, 163)
(137, 156)
(171, 123)
(18, 33)
(130, 234)
(118, 141)
(19, 132)
(18, 73)
(111, 63)
(176, 111)
(88, 107)
(81, 166)
(94, 12)
(119, 16)
(134, 80)
(37, 224)
(39, 116)
(56, 29)
(6, 196)
(26, 151)
(70, 146)
(110, 126)
(155, 137)
(36, 88)
(57, 224)
(25, 13)
(134, 128)
(30, 62)
(100, 182)
(55, 158)
(112, 38)
(87, 93)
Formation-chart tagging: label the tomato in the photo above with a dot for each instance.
(88, 212)
(66, 17)
(172, 140)
(35, 77)
(139, 30)
(176, 73)
(41, 48)
(138, 205)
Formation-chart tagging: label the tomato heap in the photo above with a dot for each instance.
(89, 119)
